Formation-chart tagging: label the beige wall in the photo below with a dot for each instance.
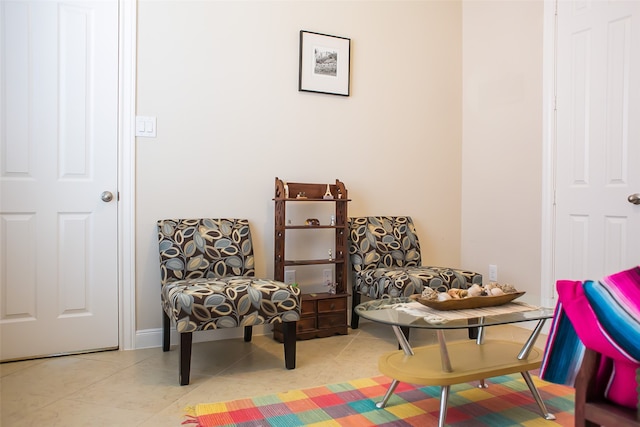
(444, 123)
(502, 141)
(221, 78)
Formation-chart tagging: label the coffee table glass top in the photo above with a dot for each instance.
(386, 311)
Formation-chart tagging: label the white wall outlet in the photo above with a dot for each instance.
(289, 277)
(327, 276)
(493, 273)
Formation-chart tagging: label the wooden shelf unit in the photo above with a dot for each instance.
(323, 314)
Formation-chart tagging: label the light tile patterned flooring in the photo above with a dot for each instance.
(140, 387)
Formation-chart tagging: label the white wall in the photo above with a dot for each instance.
(221, 78)
(502, 141)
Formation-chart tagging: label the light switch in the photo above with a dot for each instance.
(146, 126)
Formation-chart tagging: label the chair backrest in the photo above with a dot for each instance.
(383, 242)
(204, 248)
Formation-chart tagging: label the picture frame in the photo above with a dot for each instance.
(325, 64)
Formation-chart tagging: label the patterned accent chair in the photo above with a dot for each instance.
(207, 278)
(386, 262)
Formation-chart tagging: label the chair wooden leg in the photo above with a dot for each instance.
(166, 331)
(355, 300)
(405, 330)
(289, 337)
(473, 332)
(248, 331)
(185, 357)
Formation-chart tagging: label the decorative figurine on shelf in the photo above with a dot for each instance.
(332, 288)
(286, 189)
(313, 222)
(332, 221)
(327, 194)
(301, 195)
(339, 193)
(330, 255)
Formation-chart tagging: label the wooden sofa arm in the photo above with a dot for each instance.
(591, 408)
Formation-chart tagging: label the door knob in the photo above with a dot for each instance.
(106, 196)
(634, 198)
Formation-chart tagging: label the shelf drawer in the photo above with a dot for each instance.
(308, 308)
(306, 324)
(327, 321)
(332, 305)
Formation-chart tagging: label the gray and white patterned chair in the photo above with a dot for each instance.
(207, 277)
(386, 262)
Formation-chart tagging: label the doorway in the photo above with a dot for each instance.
(592, 140)
(67, 113)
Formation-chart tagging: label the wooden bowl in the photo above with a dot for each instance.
(468, 302)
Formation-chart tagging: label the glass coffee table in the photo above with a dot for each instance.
(445, 364)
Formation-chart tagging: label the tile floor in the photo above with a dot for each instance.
(140, 387)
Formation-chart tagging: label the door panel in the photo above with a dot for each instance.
(59, 153)
(598, 138)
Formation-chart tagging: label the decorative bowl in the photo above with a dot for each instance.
(468, 302)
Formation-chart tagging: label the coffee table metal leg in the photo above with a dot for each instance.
(388, 394)
(444, 401)
(444, 353)
(406, 347)
(524, 353)
(480, 341)
(536, 395)
(480, 337)
(528, 345)
(402, 340)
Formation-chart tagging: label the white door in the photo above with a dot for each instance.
(598, 138)
(58, 253)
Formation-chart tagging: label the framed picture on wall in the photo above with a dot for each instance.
(324, 63)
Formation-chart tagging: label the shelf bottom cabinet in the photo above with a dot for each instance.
(322, 315)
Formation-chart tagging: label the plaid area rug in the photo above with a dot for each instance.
(506, 402)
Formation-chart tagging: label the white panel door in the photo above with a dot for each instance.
(58, 252)
(598, 138)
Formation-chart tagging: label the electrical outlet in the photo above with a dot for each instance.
(493, 273)
(327, 276)
(289, 277)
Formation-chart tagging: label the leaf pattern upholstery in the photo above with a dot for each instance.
(387, 262)
(207, 276)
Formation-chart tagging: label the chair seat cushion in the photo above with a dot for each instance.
(404, 281)
(213, 303)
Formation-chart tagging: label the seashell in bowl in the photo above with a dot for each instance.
(428, 293)
(475, 290)
(443, 296)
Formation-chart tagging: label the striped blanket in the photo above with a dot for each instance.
(604, 316)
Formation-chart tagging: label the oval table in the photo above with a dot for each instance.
(445, 364)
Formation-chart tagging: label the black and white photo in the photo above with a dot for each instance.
(324, 63)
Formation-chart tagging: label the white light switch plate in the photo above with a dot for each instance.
(146, 126)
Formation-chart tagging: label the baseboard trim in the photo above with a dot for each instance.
(151, 338)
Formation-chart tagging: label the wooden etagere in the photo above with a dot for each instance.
(323, 314)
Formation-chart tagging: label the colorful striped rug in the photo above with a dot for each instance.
(506, 402)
